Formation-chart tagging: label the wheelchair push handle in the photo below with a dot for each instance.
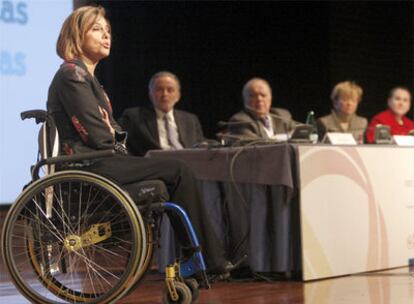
(39, 115)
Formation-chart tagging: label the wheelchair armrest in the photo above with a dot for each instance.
(70, 159)
(39, 115)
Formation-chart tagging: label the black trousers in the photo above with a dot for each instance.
(182, 187)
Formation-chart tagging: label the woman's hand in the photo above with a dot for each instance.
(106, 120)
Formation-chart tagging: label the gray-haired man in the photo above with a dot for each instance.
(259, 119)
(161, 126)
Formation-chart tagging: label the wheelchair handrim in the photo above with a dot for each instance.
(135, 264)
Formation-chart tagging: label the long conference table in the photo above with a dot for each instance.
(321, 209)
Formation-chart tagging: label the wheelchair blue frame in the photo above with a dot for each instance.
(195, 264)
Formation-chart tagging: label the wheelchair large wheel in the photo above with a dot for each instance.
(74, 237)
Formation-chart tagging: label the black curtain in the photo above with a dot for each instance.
(373, 44)
(301, 48)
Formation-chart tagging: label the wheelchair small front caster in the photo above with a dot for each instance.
(177, 293)
(193, 285)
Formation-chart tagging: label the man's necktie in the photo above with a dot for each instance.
(172, 134)
(266, 123)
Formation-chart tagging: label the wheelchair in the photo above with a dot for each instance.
(76, 237)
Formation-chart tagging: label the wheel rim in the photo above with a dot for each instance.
(184, 294)
(193, 285)
(78, 235)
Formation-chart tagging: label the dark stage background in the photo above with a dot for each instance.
(302, 48)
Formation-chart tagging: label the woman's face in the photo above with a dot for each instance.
(97, 42)
(400, 102)
(346, 105)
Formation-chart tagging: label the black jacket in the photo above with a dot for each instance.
(141, 125)
(74, 100)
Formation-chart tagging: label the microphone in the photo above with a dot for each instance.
(208, 143)
(297, 126)
(223, 124)
(222, 135)
(227, 139)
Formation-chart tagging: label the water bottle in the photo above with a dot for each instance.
(311, 121)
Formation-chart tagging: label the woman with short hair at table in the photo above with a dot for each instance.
(399, 103)
(83, 115)
(345, 97)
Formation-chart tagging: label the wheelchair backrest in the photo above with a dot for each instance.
(48, 142)
(48, 138)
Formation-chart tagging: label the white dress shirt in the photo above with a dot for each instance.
(162, 132)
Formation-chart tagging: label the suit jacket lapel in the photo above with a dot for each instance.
(262, 130)
(257, 125)
(150, 119)
(180, 122)
(275, 124)
(338, 124)
(102, 97)
(279, 126)
(352, 124)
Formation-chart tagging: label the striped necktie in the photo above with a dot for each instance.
(172, 134)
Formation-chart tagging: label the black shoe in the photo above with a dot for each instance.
(228, 267)
(224, 272)
(225, 267)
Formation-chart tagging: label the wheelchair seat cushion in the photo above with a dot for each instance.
(144, 192)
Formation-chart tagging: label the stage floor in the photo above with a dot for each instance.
(384, 287)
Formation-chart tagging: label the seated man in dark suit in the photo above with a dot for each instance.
(161, 126)
(258, 119)
(345, 97)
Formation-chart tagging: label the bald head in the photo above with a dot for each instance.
(257, 96)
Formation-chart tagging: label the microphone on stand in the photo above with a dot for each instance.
(283, 119)
(301, 131)
(224, 137)
(223, 124)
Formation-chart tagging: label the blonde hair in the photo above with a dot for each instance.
(72, 34)
(347, 89)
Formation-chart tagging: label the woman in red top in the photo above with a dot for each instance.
(399, 103)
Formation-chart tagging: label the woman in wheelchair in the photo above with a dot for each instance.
(70, 221)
